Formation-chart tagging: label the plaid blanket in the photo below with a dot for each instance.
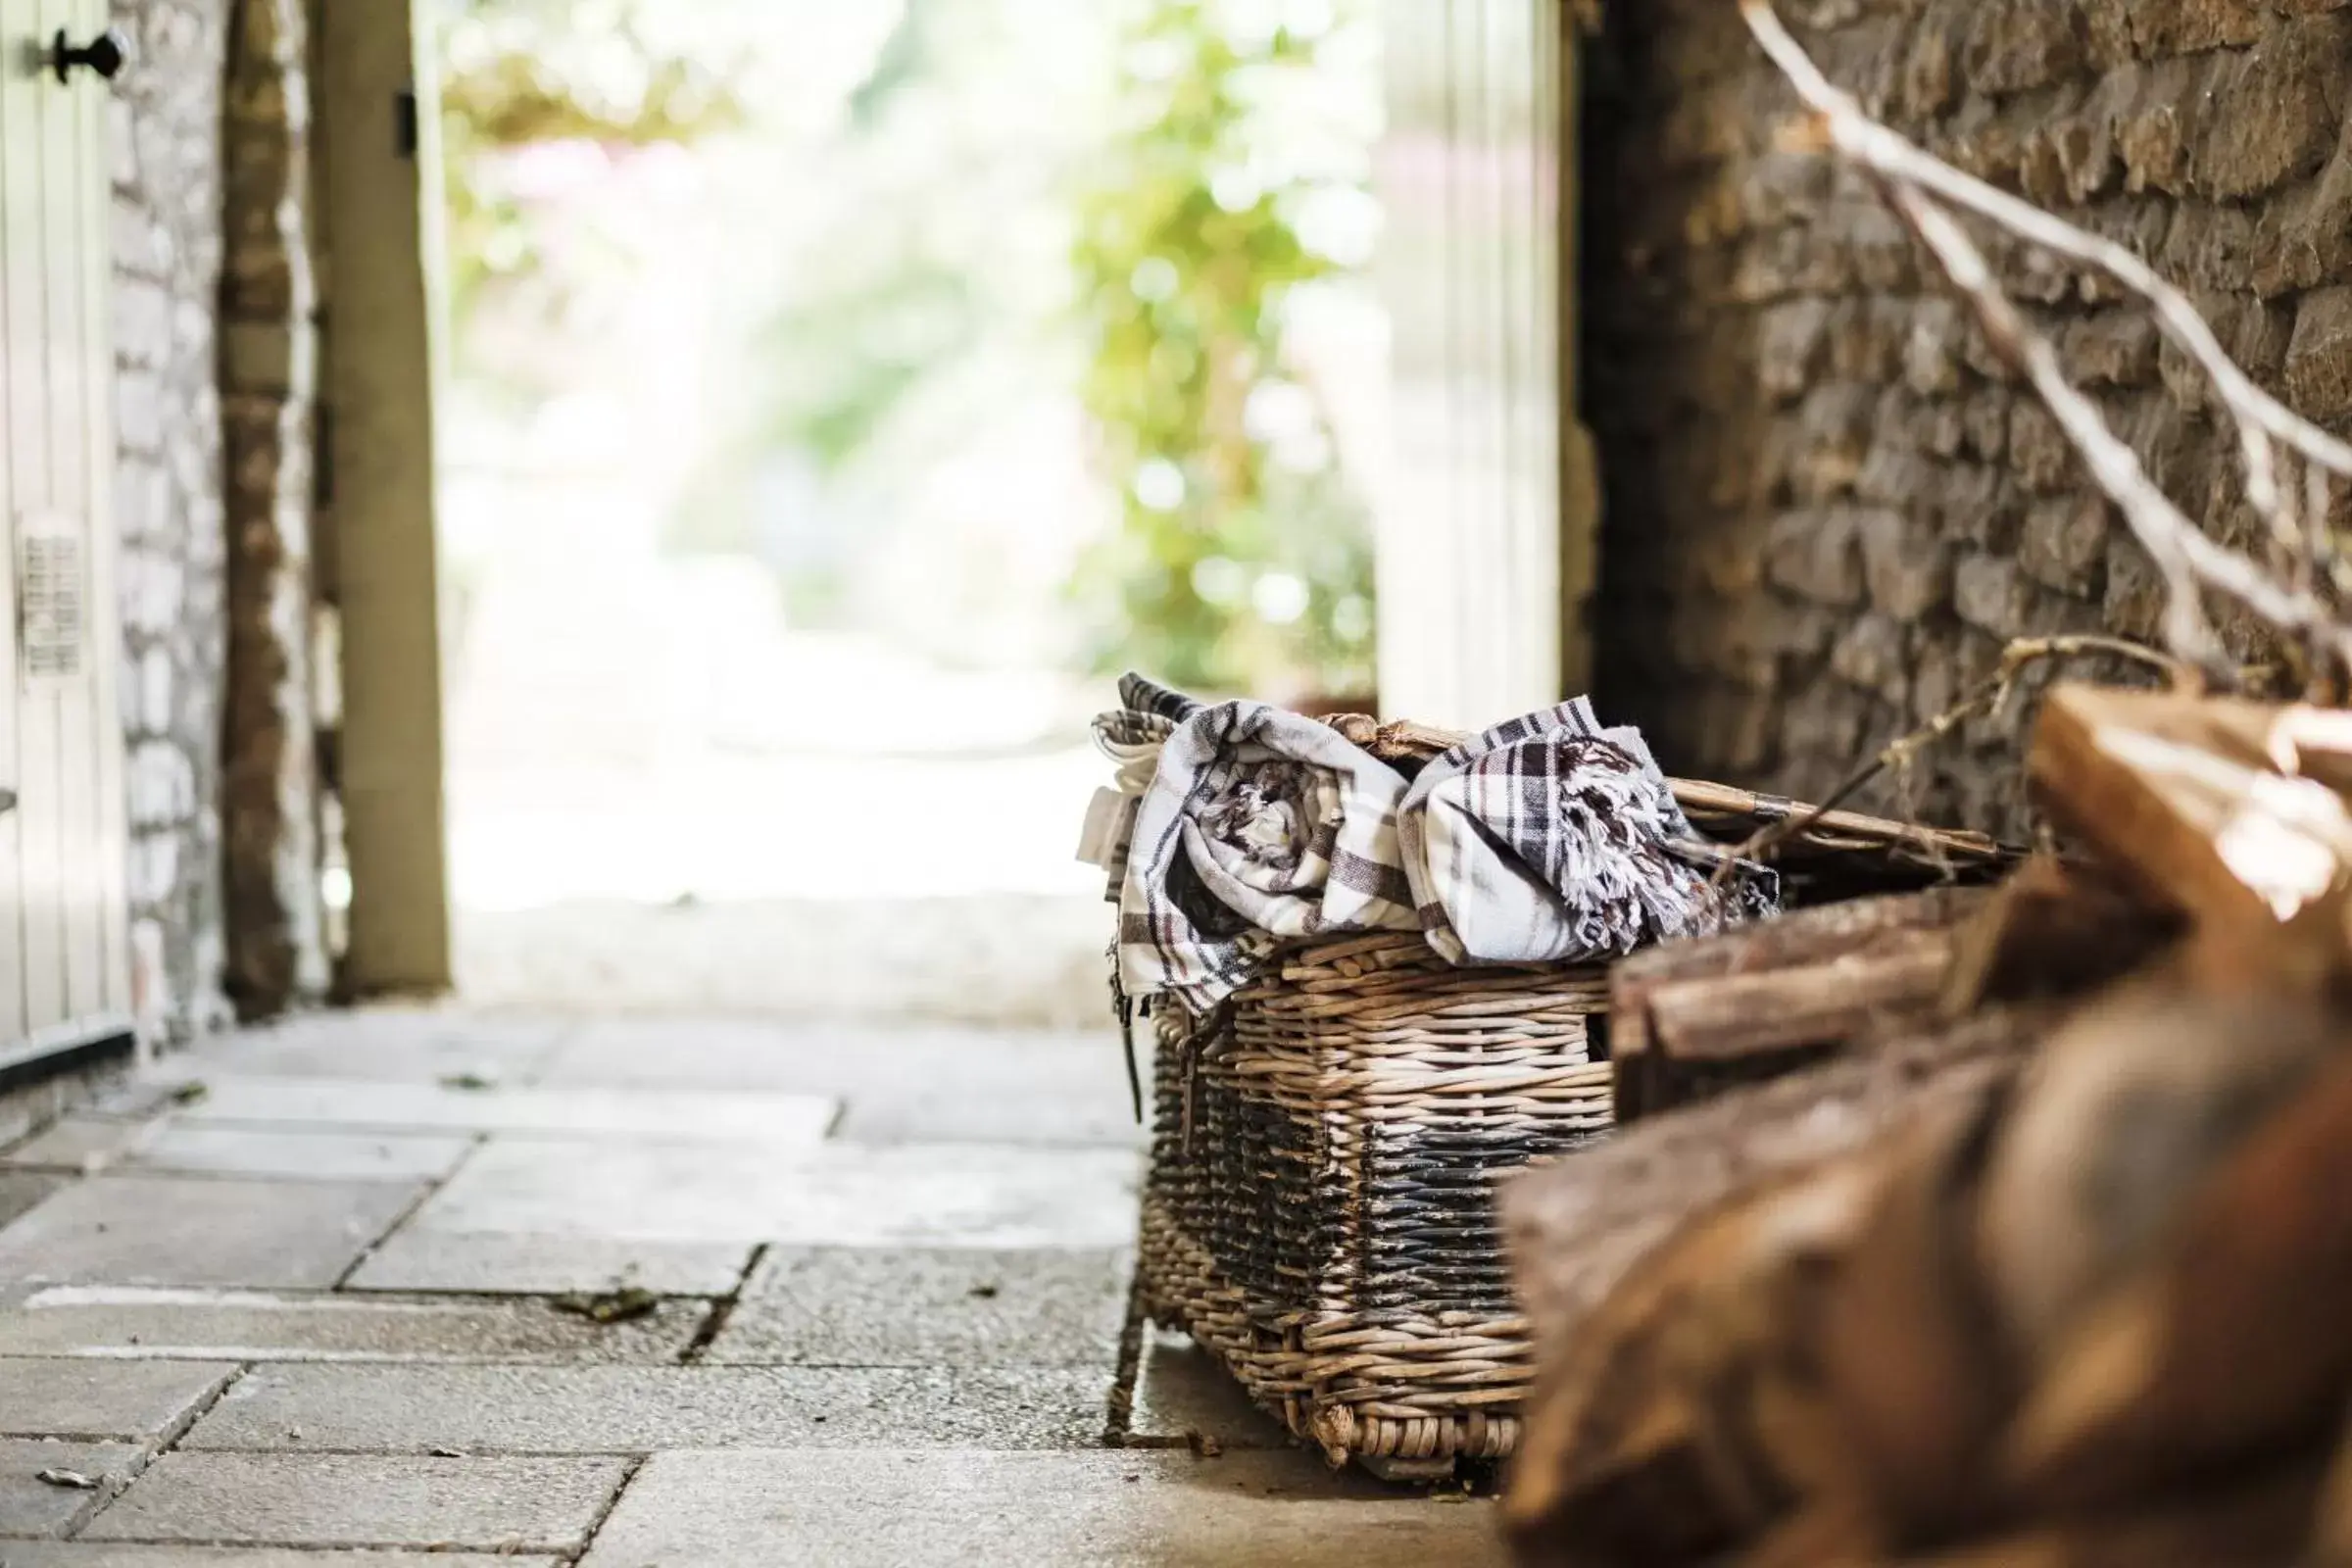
(1259, 826)
(1132, 740)
(1148, 699)
(1548, 838)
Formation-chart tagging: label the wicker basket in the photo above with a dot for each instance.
(1330, 1140)
(1320, 1209)
(1326, 1145)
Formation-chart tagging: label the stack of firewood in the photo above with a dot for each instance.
(2008, 1226)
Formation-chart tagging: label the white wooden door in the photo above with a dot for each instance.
(64, 937)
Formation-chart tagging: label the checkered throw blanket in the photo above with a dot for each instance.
(1259, 826)
(1549, 839)
(1132, 739)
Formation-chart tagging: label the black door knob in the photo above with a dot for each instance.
(106, 53)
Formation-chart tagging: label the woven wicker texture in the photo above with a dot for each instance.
(1327, 1146)
(1321, 1206)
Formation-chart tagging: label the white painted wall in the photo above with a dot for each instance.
(1468, 516)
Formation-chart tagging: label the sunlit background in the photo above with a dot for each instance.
(841, 394)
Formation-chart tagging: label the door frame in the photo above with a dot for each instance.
(378, 173)
(1486, 522)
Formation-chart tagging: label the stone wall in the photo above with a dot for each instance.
(1829, 504)
(276, 943)
(166, 132)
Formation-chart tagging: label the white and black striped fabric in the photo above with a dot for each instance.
(1260, 826)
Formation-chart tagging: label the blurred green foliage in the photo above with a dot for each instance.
(1242, 561)
(894, 294)
(523, 73)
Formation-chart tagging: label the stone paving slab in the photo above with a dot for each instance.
(79, 1144)
(247, 1326)
(615, 1409)
(985, 960)
(485, 1264)
(389, 1044)
(1180, 1390)
(1103, 1510)
(101, 1401)
(160, 1230)
(93, 1554)
(138, 1099)
(480, 1504)
(898, 1085)
(224, 1150)
(31, 1107)
(318, 1103)
(1000, 1115)
(897, 1306)
(21, 1192)
(836, 1194)
(31, 1506)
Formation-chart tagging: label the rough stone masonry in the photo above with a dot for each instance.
(1829, 504)
(166, 141)
(276, 941)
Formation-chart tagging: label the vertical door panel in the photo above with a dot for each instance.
(69, 167)
(46, 532)
(22, 365)
(84, 364)
(1415, 503)
(63, 953)
(382, 222)
(109, 870)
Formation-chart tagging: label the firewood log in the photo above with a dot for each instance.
(1681, 1410)
(1837, 1532)
(2237, 1341)
(2090, 1314)
(2331, 1525)
(1690, 1017)
(2230, 812)
(1910, 1349)
(1688, 1417)
(1576, 1227)
(2303, 956)
(2124, 1114)
(2264, 1522)
(2053, 930)
(2150, 1156)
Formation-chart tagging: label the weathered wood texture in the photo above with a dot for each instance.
(1576, 1227)
(1690, 1019)
(2221, 809)
(2052, 930)
(2083, 1312)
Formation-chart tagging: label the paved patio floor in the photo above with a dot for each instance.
(463, 1290)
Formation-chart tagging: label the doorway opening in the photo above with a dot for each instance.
(837, 394)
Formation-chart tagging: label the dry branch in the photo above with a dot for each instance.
(1985, 697)
(1923, 190)
(1688, 1020)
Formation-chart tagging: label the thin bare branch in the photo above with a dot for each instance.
(2189, 560)
(1985, 697)
(1876, 146)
